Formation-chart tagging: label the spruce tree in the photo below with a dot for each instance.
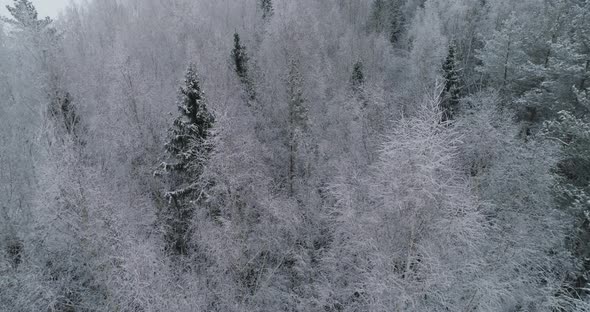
(188, 150)
(452, 87)
(34, 31)
(298, 118)
(357, 83)
(240, 59)
(573, 187)
(297, 108)
(25, 16)
(386, 16)
(396, 22)
(66, 117)
(267, 9)
(358, 77)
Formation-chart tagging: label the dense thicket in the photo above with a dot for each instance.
(312, 155)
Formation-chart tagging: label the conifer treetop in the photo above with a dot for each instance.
(358, 77)
(267, 9)
(25, 16)
(240, 57)
(192, 126)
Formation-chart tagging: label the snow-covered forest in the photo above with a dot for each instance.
(296, 155)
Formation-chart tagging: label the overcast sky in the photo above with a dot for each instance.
(44, 7)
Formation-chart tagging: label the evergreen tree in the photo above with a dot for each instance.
(386, 16)
(25, 16)
(396, 22)
(358, 77)
(26, 24)
(297, 119)
(65, 115)
(35, 35)
(361, 101)
(452, 87)
(188, 149)
(297, 107)
(573, 189)
(357, 83)
(267, 9)
(551, 67)
(240, 59)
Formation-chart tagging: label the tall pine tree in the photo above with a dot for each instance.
(267, 9)
(240, 59)
(573, 187)
(386, 16)
(358, 77)
(25, 16)
(298, 119)
(357, 84)
(188, 150)
(66, 117)
(33, 31)
(452, 87)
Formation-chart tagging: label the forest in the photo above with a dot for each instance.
(295, 155)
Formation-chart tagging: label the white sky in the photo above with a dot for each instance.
(49, 8)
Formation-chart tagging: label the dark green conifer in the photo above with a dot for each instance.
(267, 9)
(452, 89)
(25, 16)
(358, 77)
(65, 115)
(188, 151)
(386, 16)
(240, 59)
(298, 119)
